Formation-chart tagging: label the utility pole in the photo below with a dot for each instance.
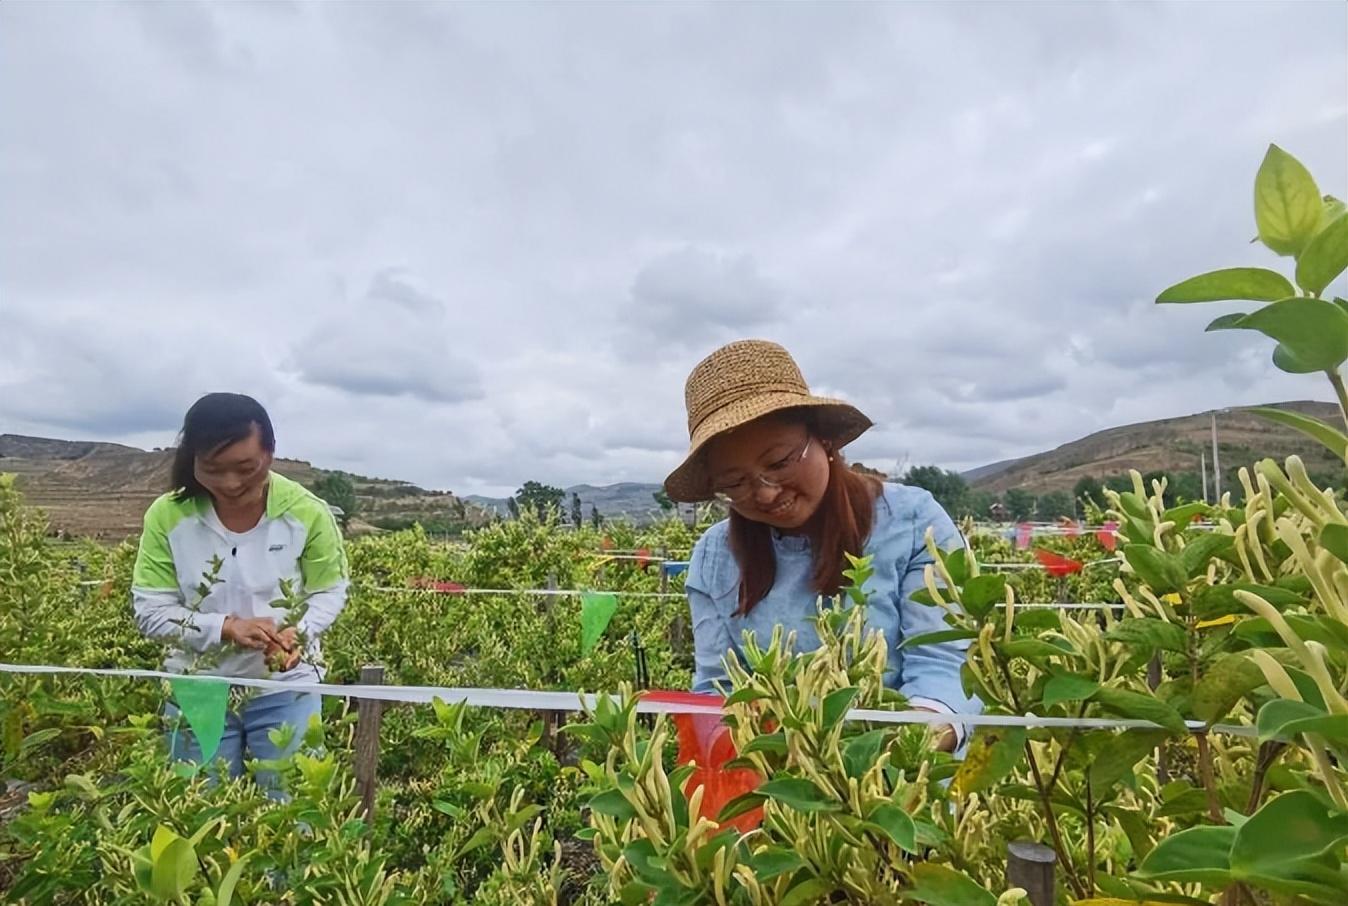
(1203, 467)
(1216, 464)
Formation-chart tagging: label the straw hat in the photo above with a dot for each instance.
(738, 383)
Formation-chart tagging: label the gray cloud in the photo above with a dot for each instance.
(394, 340)
(955, 215)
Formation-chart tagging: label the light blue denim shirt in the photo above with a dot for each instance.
(929, 675)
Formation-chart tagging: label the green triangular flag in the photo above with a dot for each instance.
(203, 702)
(596, 610)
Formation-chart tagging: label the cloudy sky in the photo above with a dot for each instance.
(471, 245)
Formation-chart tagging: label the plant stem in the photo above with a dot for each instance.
(1046, 801)
(1090, 837)
(1337, 380)
(1045, 792)
(1201, 736)
(1209, 782)
(1268, 756)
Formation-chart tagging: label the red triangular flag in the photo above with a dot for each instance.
(1057, 564)
(705, 741)
(1107, 537)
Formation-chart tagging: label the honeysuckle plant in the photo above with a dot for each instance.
(845, 807)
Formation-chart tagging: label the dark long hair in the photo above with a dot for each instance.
(840, 526)
(215, 421)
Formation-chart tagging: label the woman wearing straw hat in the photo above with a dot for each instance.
(768, 448)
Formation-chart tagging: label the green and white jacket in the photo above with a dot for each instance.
(297, 539)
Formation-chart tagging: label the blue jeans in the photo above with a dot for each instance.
(247, 732)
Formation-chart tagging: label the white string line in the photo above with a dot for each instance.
(667, 595)
(536, 700)
(673, 595)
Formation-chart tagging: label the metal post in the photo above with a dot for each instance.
(1203, 467)
(369, 717)
(1216, 464)
(1030, 866)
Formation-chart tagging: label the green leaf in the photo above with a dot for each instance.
(1290, 828)
(1287, 205)
(836, 704)
(173, 865)
(1225, 322)
(775, 860)
(807, 891)
(1068, 687)
(941, 885)
(483, 836)
(980, 594)
(744, 696)
(801, 795)
(1163, 571)
(741, 804)
(1037, 648)
(1254, 283)
(1198, 855)
(225, 895)
(993, 754)
(897, 825)
(1185, 513)
(1140, 707)
(1220, 600)
(614, 804)
(1290, 361)
(1334, 538)
(1223, 683)
(1148, 633)
(1136, 826)
(772, 743)
(1116, 760)
(938, 637)
(860, 753)
(957, 564)
(1286, 719)
(1198, 551)
(1327, 631)
(1188, 803)
(1325, 257)
(1313, 331)
(1327, 435)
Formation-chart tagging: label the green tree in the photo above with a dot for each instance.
(540, 498)
(1054, 505)
(1020, 503)
(336, 489)
(949, 488)
(595, 519)
(1090, 488)
(977, 504)
(577, 515)
(1188, 486)
(663, 501)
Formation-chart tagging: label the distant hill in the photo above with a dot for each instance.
(1171, 444)
(634, 500)
(101, 490)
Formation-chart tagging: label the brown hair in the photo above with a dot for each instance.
(841, 525)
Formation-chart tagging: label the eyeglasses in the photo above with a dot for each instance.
(774, 476)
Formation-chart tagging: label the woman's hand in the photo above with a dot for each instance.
(256, 633)
(945, 734)
(285, 652)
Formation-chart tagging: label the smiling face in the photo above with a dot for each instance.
(771, 470)
(235, 474)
